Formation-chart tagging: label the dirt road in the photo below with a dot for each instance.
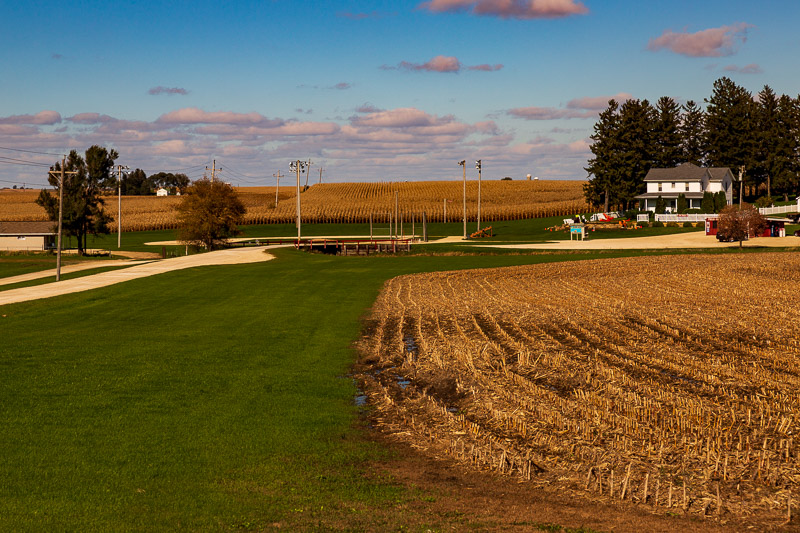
(676, 241)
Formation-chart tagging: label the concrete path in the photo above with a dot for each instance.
(66, 269)
(695, 239)
(223, 257)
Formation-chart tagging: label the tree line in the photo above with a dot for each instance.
(85, 180)
(737, 129)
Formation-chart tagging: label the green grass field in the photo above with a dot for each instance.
(15, 264)
(214, 398)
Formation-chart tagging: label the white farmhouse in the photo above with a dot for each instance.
(162, 192)
(687, 179)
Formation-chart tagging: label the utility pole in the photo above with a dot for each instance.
(741, 185)
(213, 170)
(119, 204)
(478, 165)
(308, 171)
(463, 164)
(298, 167)
(320, 176)
(60, 178)
(277, 185)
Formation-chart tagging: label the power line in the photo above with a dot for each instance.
(28, 151)
(24, 162)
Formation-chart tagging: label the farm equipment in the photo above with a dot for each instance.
(481, 233)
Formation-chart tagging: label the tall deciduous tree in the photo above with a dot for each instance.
(209, 214)
(83, 206)
(136, 183)
(691, 131)
(172, 182)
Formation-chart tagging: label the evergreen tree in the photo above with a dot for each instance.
(707, 204)
(786, 169)
(636, 150)
(767, 140)
(603, 168)
(99, 163)
(720, 201)
(682, 204)
(667, 151)
(661, 206)
(729, 136)
(691, 131)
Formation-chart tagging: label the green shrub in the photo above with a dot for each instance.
(658, 224)
(688, 225)
(672, 224)
(764, 201)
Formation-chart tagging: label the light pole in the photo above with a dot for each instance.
(277, 185)
(478, 166)
(119, 204)
(298, 166)
(463, 164)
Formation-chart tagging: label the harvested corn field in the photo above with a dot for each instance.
(670, 382)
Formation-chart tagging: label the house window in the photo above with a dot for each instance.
(673, 184)
(687, 187)
(659, 187)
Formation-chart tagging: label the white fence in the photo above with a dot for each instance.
(793, 208)
(678, 217)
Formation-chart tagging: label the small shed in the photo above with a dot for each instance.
(776, 227)
(28, 235)
(162, 192)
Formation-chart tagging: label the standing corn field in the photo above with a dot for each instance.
(347, 203)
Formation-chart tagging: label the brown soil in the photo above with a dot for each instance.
(463, 499)
(481, 383)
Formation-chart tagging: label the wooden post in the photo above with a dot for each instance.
(370, 226)
(424, 227)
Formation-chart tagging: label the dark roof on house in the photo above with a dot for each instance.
(28, 227)
(718, 173)
(686, 172)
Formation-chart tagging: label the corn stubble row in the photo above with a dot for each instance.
(671, 382)
(347, 202)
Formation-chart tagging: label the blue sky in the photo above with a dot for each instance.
(372, 91)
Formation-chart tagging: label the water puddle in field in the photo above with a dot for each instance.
(411, 345)
(360, 400)
(403, 382)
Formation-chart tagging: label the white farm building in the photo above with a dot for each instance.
(27, 235)
(687, 179)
